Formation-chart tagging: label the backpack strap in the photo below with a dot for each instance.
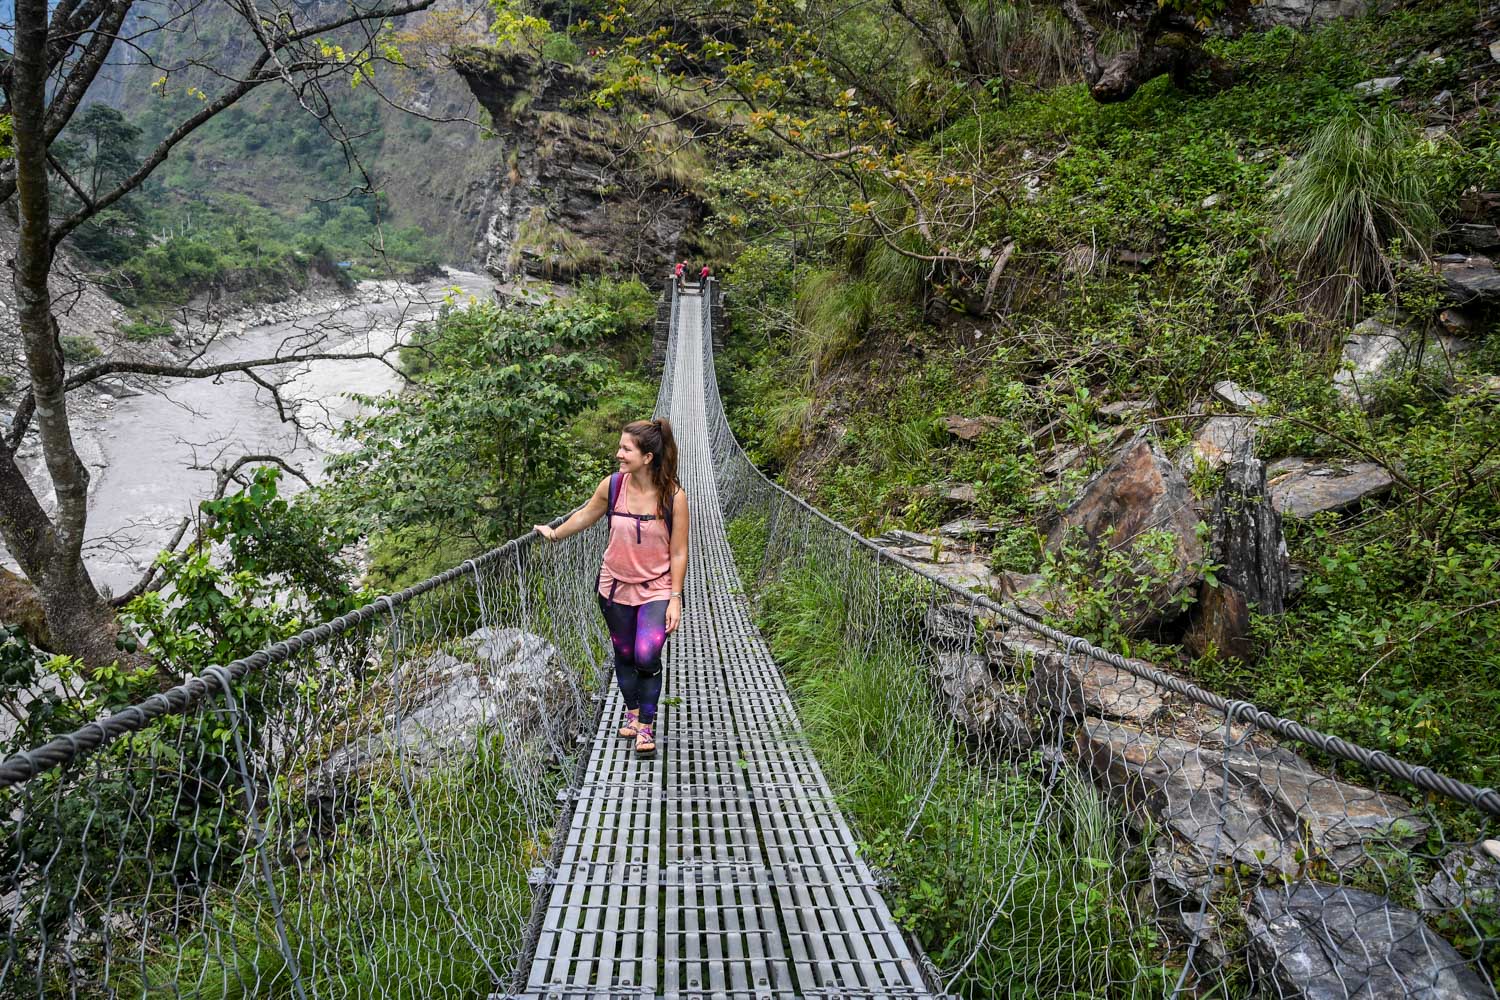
(616, 481)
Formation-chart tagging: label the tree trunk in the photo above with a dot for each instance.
(1176, 54)
(1170, 44)
(50, 551)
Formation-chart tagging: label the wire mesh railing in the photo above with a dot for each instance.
(1059, 821)
(358, 812)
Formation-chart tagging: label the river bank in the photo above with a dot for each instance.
(152, 444)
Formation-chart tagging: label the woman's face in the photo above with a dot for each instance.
(630, 456)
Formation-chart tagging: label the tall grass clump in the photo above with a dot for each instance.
(1015, 886)
(833, 312)
(673, 157)
(897, 277)
(1360, 184)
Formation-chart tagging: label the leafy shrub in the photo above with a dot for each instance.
(145, 330)
(78, 349)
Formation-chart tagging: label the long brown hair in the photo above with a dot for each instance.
(654, 437)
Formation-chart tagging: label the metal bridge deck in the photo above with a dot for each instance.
(723, 868)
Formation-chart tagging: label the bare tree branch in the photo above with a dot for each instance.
(118, 366)
(223, 477)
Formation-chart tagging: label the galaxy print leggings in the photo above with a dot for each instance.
(638, 633)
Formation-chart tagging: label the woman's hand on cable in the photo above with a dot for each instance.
(546, 531)
(674, 614)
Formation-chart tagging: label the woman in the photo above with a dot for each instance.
(640, 582)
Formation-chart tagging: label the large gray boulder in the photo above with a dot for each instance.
(1302, 487)
(1373, 351)
(980, 703)
(1323, 942)
(1076, 687)
(504, 680)
(1261, 807)
(1140, 491)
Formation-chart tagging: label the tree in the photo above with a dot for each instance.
(759, 74)
(1170, 34)
(59, 48)
(110, 148)
(478, 449)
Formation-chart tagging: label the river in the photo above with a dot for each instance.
(142, 449)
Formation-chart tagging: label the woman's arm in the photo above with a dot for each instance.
(582, 518)
(679, 559)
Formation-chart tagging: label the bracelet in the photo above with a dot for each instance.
(677, 594)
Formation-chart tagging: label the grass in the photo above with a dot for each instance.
(1014, 888)
(672, 157)
(833, 312)
(383, 916)
(1360, 184)
(563, 253)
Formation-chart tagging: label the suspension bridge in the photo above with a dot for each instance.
(426, 797)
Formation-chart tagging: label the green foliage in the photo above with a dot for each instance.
(145, 330)
(1363, 181)
(1393, 640)
(955, 833)
(621, 398)
(394, 904)
(78, 348)
(560, 48)
(282, 573)
(748, 535)
(1104, 589)
(632, 308)
(834, 313)
(1389, 641)
(479, 447)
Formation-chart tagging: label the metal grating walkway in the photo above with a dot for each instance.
(722, 869)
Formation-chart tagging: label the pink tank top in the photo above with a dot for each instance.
(638, 560)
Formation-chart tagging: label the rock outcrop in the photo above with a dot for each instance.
(1323, 942)
(574, 194)
(1140, 491)
(1255, 569)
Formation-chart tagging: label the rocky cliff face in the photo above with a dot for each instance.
(572, 194)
